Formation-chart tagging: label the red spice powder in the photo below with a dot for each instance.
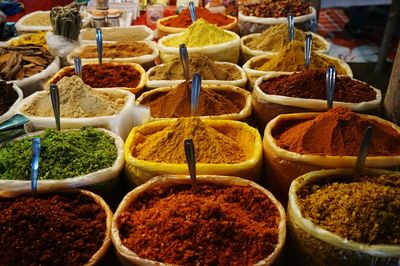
(44, 229)
(337, 132)
(183, 20)
(311, 84)
(107, 75)
(218, 225)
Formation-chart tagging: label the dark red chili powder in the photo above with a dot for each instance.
(218, 225)
(106, 75)
(311, 84)
(65, 229)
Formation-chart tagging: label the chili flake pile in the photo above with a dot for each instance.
(218, 225)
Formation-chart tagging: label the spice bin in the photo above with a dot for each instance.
(247, 139)
(233, 96)
(7, 94)
(117, 34)
(115, 73)
(146, 60)
(129, 257)
(101, 180)
(317, 245)
(284, 165)
(34, 21)
(71, 226)
(268, 106)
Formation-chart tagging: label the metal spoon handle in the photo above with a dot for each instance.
(330, 85)
(195, 95)
(191, 161)
(14, 122)
(55, 101)
(307, 50)
(362, 154)
(99, 40)
(291, 27)
(78, 66)
(192, 10)
(183, 53)
(36, 144)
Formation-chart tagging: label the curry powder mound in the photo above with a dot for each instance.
(218, 225)
(365, 210)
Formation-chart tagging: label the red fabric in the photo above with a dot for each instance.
(36, 5)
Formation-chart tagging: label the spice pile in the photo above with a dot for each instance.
(37, 19)
(311, 84)
(364, 210)
(184, 20)
(337, 132)
(200, 34)
(116, 34)
(108, 75)
(64, 154)
(276, 37)
(19, 62)
(50, 229)
(176, 103)
(291, 59)
(117, 50)
(211, 146)
(276, 8)
(198, 63)
(38, 38)
(77, 100)
(219, 225)
(8, 96)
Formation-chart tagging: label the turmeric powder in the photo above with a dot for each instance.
(211, 146)
(291, 59)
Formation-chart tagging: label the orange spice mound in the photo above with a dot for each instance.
(218, 225)
(176, 103)
(337, 132)
(184, 20)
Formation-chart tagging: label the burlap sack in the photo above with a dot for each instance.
(317, 246)
(140, 171)
(128, 257)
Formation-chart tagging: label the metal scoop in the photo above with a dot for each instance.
(307, 50)
(290, 27)
(55, 101)
(192, 10)
(99, 41)
(36, 144)
(78, 66)
(362, 154)
(330, 85)
(191, 162)
(194, 99)
(183, 53)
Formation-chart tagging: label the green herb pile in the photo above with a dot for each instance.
(64, 154)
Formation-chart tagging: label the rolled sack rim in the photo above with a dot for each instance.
(146, 165)
(269, 143)
(136, 66)
(280, 20)
(151, 83)
(247, 107)
(255, 72)
(71, 182)
(172, 180)
(316, 104)
(247, 50)
(162, 27)
(199, 49)
(379, 250)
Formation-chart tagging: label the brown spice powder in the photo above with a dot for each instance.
(366, 211)
(218, 225)
(65, 229)
(211, 146)
(311, 84)
(117, 50)
(337, 132)
(176, 103)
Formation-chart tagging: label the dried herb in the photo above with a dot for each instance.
(66, 21)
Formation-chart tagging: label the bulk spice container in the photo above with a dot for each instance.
(222, 147)
(178, 23)
(228, 220)
(215, 101)
(295, 144)
(212, 72)
(276, 94)
(59, 228)
(87, 157)
(117, 34)
(35, 21)
(338, 219)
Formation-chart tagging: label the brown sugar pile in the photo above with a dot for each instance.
(218, 225)
(337, 132)
(167, 145)
(366, 210)
(176, 103)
